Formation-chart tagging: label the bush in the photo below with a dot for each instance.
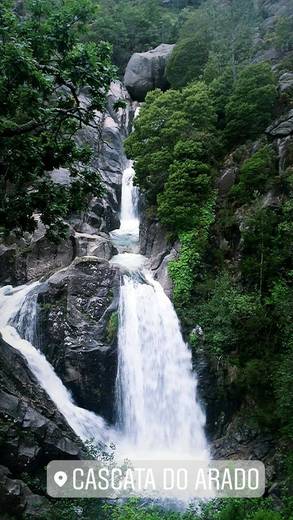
(229, 316)
(256, 175)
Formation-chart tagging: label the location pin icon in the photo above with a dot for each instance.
(60, 478)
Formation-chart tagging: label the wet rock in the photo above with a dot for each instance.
(153, 241)
(217, 391)
(145, 71)
(155, 246)
(61, 176)
(32, 431)
(94, 245)
(244, 440)
(17, 499)
(21, 264)
(161, 273)
(227, 179)
(75, 317)
(285, 152)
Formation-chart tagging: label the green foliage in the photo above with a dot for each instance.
(187, 187)
(267, 243)
(216, 36)
(185, 269)
(229, 316)
(187, 61)
(43, 66)
(172, 126)
(133, 27)
(228, 509)
(173, 145)
(284, 391)
(256, 175)
(263, 514)
(112, 327)
(283, 37)
(250, 107)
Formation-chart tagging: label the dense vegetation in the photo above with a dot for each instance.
(133, 26)
(229, 509)
(43, 67)
(138, 25)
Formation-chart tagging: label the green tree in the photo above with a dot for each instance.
(187, 187)
(133, 27)
(250, 107)
(213, 37)
(43, 67)
(171, 126)
(256, 175)
(187, 61)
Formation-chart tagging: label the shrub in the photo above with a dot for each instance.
(256, 175)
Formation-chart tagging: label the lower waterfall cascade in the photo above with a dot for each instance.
(158, 415)
(17, 316)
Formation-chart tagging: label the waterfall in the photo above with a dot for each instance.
(127, 236)
(157, 409)
(158, 414)
(129, 201)
(18, 312)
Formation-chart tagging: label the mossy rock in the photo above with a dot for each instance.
(112, 328)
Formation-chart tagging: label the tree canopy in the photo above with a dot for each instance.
(43, 67)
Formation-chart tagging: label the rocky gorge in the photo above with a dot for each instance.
(77, 306)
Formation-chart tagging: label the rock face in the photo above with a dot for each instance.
(32, 260)
(78, 331)
(32, 433)
(146, 71)
(282, 127)
(34, 256)
(271, 11)
(16, 498)
(286, 83)
(155, 246)
(108, 157)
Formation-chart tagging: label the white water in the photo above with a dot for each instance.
(18, 306)
(128, 233)
(157, 408)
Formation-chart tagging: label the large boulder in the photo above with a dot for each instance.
(78, 331)
(146, 71)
